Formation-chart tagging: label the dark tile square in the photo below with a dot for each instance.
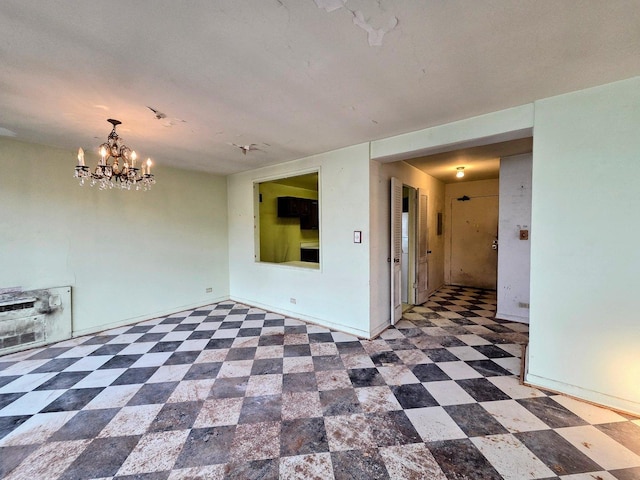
(145, 476)
(229, 387)
(400, 344)
(303, 350)
(339, 402)
(185, 327)
(201, 371)
(558, 454)
(139, 329)
(271, 339)
(303, 436)
(295, 329)
(239, 311)
(358, 465)
(63, 381)
(180, 358)
(265, 408)
(274, 322)
(625, 433)
(385, 358)
(50, 352)
(244, 353)
(482, 390)
(84, 424)
(623, 474)
(4, 365)
(255, 316)
(474, 420)
(102, 458)
(219, 343)
(214, 318)
(429, 372)
(172, 321)
(228, 325)
(150, 338)
(8, 398)
(120, 361)
(551, 412)
(256, 470)
(165, 347)
(488, 368)
(349, 347)
(440, 355)
(199, 313)
(151, 393)
(201, 335)
(413, 395)
(451, 342)
(299, 382)
(320, 338)
(176, 416)
(460, 459)
(265, 366)
(327, 362)
(74, 399)
(249, 332)
(206, 446)
(366, 377)
(11, 457)
(491, 351)
(56, 365)
(9, 424)
(392, 428)
(111, 349)
(135, 375)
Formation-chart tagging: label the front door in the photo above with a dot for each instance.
(474, 229)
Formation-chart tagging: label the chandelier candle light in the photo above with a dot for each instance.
(108, 175)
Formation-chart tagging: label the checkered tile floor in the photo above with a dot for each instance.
(228, 391)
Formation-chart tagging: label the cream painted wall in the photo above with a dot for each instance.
(514, 254)
(127, 255)
(280, 237)
(585, 260)
(480, 188)
(336, 295)
(380, 233)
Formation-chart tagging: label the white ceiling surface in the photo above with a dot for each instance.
(293, 78)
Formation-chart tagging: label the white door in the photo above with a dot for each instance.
(396, 250)
(422, 276)
(474, 228)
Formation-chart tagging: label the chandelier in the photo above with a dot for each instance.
(109, 175)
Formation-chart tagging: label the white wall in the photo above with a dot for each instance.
(127, 255)
(585, 259)
(380, 232)
(479, 188)
(514, 255)
(336, 295)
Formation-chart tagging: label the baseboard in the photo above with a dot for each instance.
(377, 330)
(512, 318)
(150, 316)
(589, 396)
(307, 318)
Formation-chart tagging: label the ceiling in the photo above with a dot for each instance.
(293, 77)
(480, 163)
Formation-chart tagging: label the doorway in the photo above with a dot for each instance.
(474, 241)
(407, 260)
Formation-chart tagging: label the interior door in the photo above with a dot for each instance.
(396, 250)
(422, 277)
(474, 228)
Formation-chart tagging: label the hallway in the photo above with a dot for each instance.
(229, 391)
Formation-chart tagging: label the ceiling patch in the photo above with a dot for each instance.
(159, 115)
(167, 122)
(250, 148)
(330, 5)
(375, 35)
(5, 132)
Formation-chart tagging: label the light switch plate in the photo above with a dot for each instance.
(357, 236)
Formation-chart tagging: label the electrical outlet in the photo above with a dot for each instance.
(209, 290)
(292, 300)
(524, 234)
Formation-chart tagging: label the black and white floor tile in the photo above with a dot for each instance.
(228, 391)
